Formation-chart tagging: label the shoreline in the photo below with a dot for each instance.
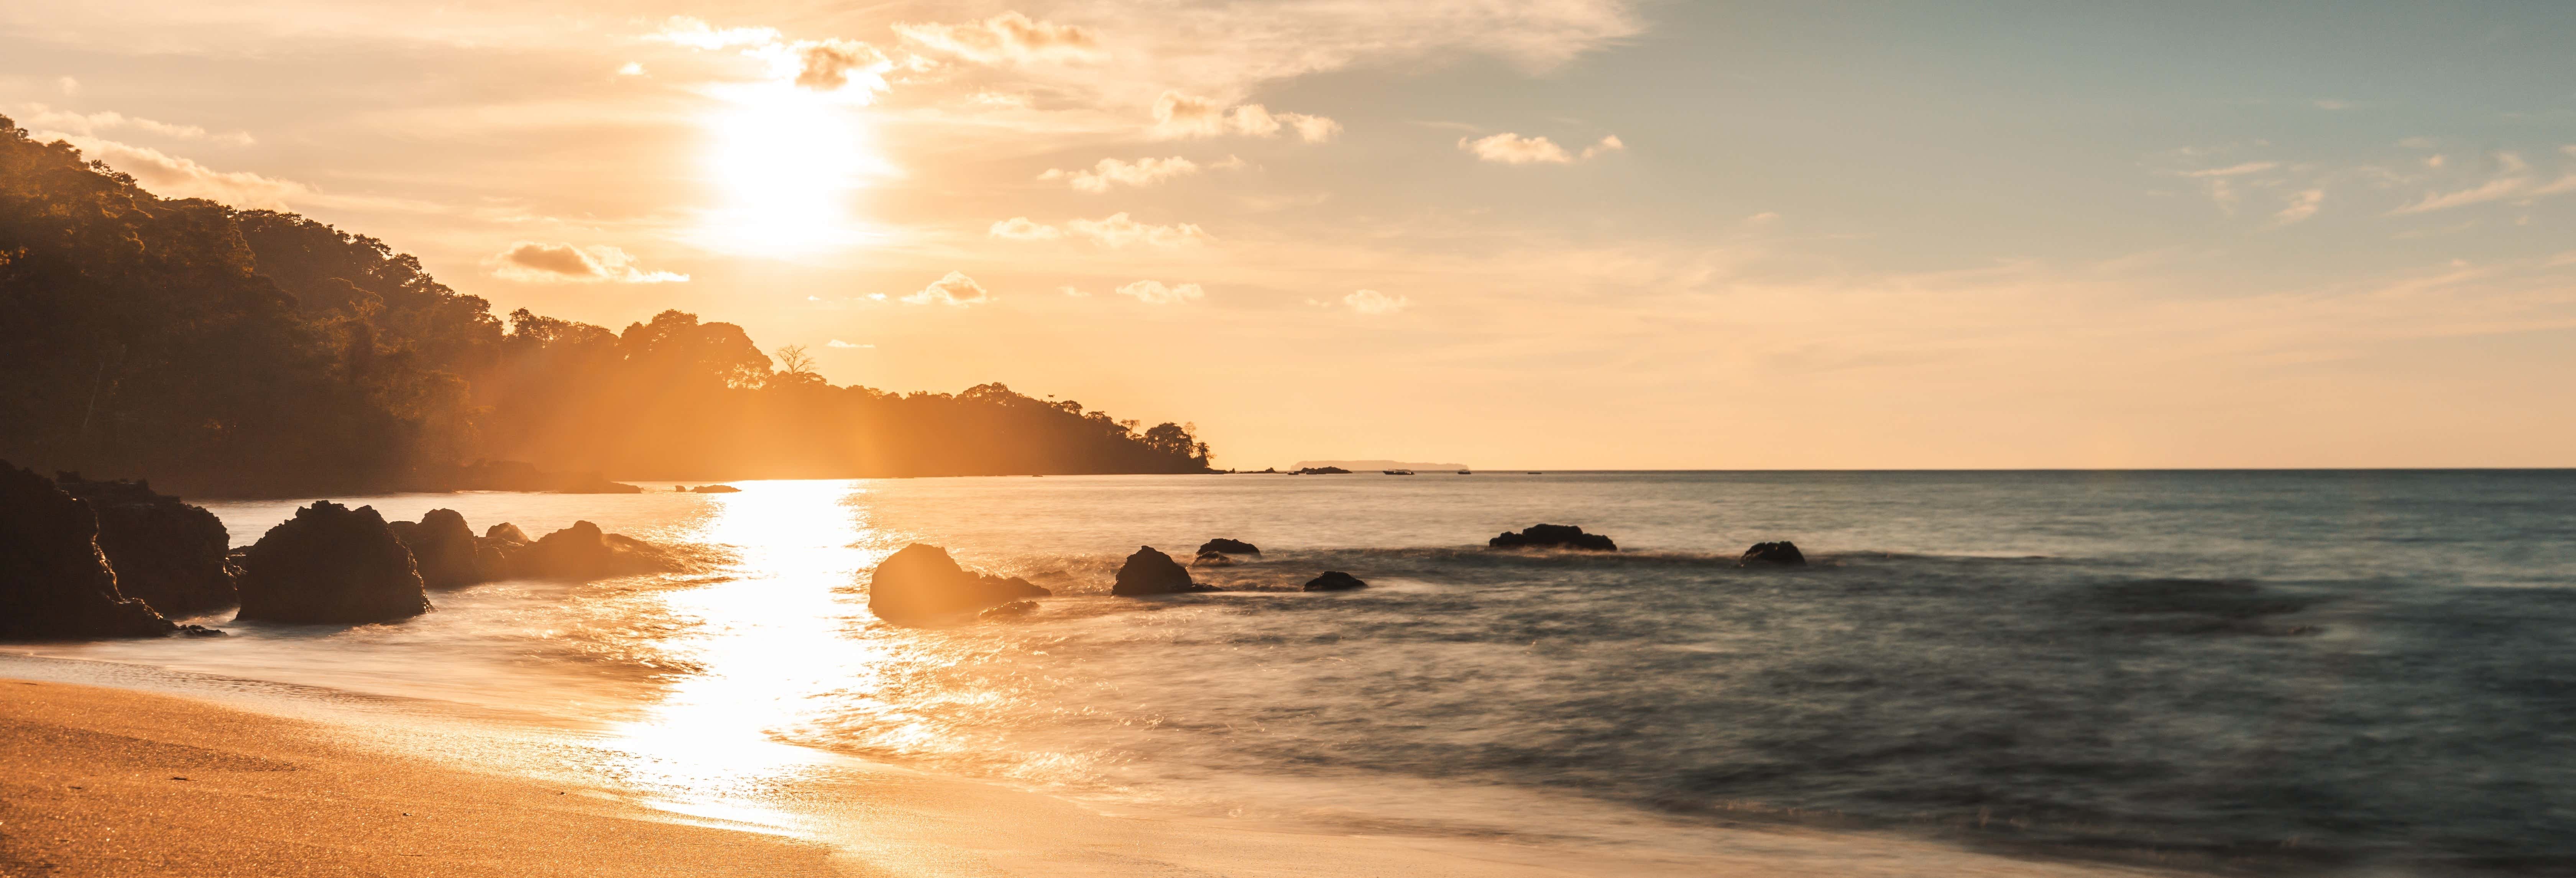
(524, 797)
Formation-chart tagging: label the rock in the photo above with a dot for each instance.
(583, 552)
(1783, 553)
(1149, 572)
(55, 584)
(1335, 580)
(1320, 471)
(1212, 559)
(920, 585)
(715, 489)
(506, 532)
(165, 553)
(330, 564)
(443, 549)
(1553, 536)
(1229, 547)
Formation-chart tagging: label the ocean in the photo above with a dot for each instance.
(2334, 672)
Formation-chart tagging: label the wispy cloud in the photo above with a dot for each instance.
(955, 289)
(1154, 292)
(1020, 228)
(1115, 230)
(40, 116)
(1009, 37)
(1141, 172)
(1374, 302)
(1512, 149)
(2303, 205)
(537, 262)
(837, 343)
(2500, 188)
(172, 176)
(1181, 115)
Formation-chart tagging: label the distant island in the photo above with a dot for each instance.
(251, 352)
(1362, 465)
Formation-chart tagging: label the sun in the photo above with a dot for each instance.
(786, 165)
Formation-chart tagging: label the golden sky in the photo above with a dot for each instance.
(1559, 233)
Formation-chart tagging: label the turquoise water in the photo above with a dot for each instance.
(2337, 672)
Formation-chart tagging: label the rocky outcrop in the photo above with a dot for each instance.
(1782, 554)
(443, 549)
(330, 564)
(1150, 572)
(55, 584)
(715, 489)
(1553, 536)
(506, 532)
(1320, 471)
(582, 551)
(1335, 580)
(165, 553)
(920, 585)
(1212, 559)
(1225, 546)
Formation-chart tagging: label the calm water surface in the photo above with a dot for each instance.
(2366, 673)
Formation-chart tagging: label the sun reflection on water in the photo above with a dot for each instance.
(762, 641)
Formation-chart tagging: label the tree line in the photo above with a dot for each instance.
(257, 352)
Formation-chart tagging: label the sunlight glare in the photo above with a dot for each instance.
(785, 163)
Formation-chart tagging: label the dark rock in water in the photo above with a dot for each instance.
(1320, 471)
(1553, 536)
(165, 553)
(1229, 547)
(920, 586)
(715, 489)
(442, 548)
(55, 584)
(583, 552)
(1012, 610)
(1151, 572)
(506, 532)
(1212, 559)
(330, 564)
(1335, 580)
(1783, 553)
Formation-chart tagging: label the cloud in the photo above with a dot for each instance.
(2234, 170)
(682, 30)
(2500, 188)
(1008, 37)
(1374, 302)
(830, 65)
(956, 289)
(171, 176)
(1180, 115)
(42, 116)
(1141, 172)
(1153, 292)
(2302, 206)
(69, 85)
(535, 262)
(1074, 292)
(837, 343)
(632, 68)
(1512, 149)
(1020, 228)
(1119, 230)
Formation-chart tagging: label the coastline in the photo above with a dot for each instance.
(293, 780)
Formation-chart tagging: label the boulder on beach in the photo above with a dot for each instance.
(1783, 553)
(1335, 580)
(1212, 559)
(55, 584)
(165, 553)
(1553, 536)
(582, 551)
(920, 585)
(1150, 572)
(442, 548)
(1225, 546)
(330, 564)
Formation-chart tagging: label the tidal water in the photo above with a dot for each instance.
(2258, 672)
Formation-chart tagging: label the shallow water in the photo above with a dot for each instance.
(2334, 671)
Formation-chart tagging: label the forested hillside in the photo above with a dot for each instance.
(254, 352)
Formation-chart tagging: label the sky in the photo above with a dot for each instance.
(1556, 233)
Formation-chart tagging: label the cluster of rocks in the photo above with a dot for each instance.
(86, 559)
(922, 586)
(1571, 537)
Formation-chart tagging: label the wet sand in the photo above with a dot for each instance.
(195, 777)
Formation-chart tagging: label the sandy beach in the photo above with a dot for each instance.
(114, 781)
